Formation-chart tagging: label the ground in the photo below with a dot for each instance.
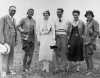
(35, 74)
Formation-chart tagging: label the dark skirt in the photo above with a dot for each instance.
(75, 51)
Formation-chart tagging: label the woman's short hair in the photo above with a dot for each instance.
(89, 12)
(76, 11)
(47, 11)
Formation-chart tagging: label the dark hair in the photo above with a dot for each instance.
(89, 12)
(47, 11)
(76, 11)
(12, 6)
(60, 9)
(30, 9)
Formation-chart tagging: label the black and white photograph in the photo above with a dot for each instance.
(49, 39)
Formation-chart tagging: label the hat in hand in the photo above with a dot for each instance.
(53, 45)
(4, 48)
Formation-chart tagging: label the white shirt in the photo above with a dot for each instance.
(44, 27)
(12, 19)
(75, 23)
(60, 27)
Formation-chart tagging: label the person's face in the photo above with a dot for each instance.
(46, 15)
(76, 16)
(59, 14)
(30, 13)
(12, 12)
(89, 17)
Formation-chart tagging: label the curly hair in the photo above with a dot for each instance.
(89, 12)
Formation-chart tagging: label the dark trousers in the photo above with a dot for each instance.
(28, 47)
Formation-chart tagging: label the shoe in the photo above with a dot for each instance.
(67, 68)
(3, 75)
(12, 72)
(78, 69)
(89, 73)
(47, 70)
(30, 69)
(57, 71)
(26, 70)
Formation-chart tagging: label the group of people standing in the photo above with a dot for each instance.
(65, 41)
(68, 41)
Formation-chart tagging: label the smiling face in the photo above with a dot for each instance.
(30, 13)
(76, 16)
(46, 15)
(89, 17)
(59, 13)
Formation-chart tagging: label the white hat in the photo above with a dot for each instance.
(53, 43)
(4, 48)
(8, 47)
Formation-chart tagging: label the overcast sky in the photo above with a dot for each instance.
(40, 5)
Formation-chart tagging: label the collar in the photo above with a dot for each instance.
(75, 23)
(90, 21)
(62, 19)
(11, 17)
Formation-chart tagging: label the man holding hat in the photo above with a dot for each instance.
(8, 34)
(4, 50)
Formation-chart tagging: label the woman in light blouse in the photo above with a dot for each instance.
(46, 37)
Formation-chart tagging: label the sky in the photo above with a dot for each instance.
(52, 5)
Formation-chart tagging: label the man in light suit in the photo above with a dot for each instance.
(8, 35)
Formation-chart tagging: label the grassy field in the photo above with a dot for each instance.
(18, 58)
